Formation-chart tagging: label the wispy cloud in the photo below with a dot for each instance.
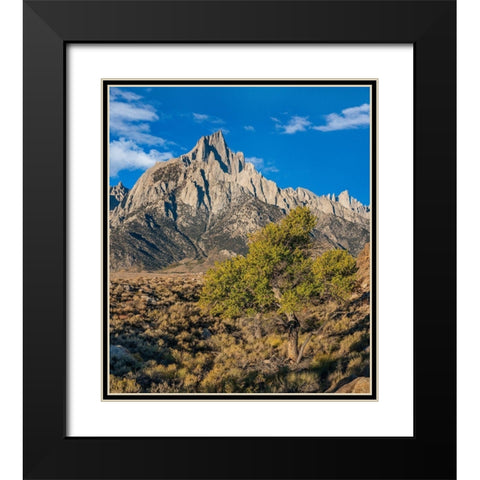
(125, 94)
(353, 117)
(349, 118)
(203, 117)
(257, 162)
(130, 118)
(127, 155)
(260, 164)
(294, 125)
(200, 117)
(130, 112)
(249, 128)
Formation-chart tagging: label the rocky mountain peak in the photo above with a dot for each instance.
(216, 139)
(208, 201)
(214, 148)
(344, 198)
(351, 203)
(117, 194)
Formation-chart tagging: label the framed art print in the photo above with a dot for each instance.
(233, 209)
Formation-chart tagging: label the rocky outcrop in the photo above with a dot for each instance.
(358, 385)
(209, 200)
(363, 265)
(117, 194)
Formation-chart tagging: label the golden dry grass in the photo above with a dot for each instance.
(162, 343)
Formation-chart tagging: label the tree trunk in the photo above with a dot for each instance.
(258, 326)
(293, 327)
(302, 348)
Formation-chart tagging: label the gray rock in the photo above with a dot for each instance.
(209, 200)
(119, 352)
(117, 194)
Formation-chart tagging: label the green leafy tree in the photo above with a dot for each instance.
(335, 272)
(278, 275)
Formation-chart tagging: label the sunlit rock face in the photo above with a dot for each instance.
(206, 202)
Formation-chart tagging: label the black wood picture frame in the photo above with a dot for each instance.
(49, 26)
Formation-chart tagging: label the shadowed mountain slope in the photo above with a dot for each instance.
(203, 204)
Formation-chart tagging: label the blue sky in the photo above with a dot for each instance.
(313, 137)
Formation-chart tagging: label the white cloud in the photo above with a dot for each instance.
(202, 117)
(125, 94)
(131, 119)
(125, 154)
(249, 128)
(139, 132)
(259, 164)
(353, 117)
(294, 125)
(132, 112)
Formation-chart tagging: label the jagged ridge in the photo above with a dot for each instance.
(205, 203)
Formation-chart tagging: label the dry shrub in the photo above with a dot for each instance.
(174, 347)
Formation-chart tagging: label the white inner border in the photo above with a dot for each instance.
(392, 414)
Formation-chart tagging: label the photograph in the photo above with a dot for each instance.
(238, 235)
